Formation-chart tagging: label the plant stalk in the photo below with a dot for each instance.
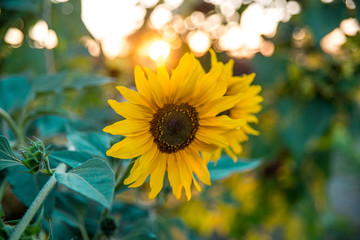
(20, 228)
(12, 124)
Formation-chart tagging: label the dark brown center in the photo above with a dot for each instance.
(174, 126)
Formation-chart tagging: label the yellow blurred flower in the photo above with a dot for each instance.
(244, 109)
(169, 121)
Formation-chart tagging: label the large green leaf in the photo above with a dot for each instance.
(225, 166)
(93, 142)
(21, 5)
(26, 187)
(61, 81)
(7, 157)
(94, 179)
(50, 125)
(15, 91)
(71, 158)
(302, 122)
(323, 18)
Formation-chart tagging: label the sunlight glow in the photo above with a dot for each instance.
(14, 37)
(159, 49)
(115, 47)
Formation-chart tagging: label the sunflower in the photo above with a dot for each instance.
(169, 121)
(244, 109)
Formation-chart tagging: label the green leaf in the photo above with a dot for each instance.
(71, 158)
(94, 179)
(324, 18)
(44, 111)
(7, 157)
(15, 91)
(18, 178)
(50, 236)
(225, 166)
(21, 5)
(94, 142)
(50, 125)
(2, 189)
(61, 81)
(302, 122)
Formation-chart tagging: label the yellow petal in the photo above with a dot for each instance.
(128, 127)
(174, 176)
(146, 163)
(141, 83)
(163, 77)
(130, 110)
(211, 136)
(198, 166)
(133, 173)
(223, 121)
(131, 147)
(156, 89)
(157, 176)
(230, 153)
(134, 97)
(220, 105)
(205, 87)
(185, 173)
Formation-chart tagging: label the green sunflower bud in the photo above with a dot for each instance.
(108, 226)
(34, 156)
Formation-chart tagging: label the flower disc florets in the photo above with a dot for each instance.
(174, 126)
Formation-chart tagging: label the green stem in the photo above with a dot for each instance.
(14, 127)
(83, 232)
(125, 174)
(20, 228)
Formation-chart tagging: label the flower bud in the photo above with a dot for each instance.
(34, 156)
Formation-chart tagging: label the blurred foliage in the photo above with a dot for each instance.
(307, 187)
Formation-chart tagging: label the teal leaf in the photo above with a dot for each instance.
(71, 158)
(44, 111)
(225, 166)
(56, 83)
(21, 5)
(324, 18)
(7, 157)
(50, 125)
(15, 91)
(302, 122)
(18, 177)
(93, 142)
(95, 179)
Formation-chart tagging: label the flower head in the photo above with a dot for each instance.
(169, 121)
(244, 109)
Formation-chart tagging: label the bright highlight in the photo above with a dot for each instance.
(159, 49)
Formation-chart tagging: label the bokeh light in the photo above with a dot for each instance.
(14, 37)
(199, 42)
(160, 16)
(43, 36)
(332, 42)
(350, 26)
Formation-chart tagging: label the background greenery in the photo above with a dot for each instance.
(306, 187)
